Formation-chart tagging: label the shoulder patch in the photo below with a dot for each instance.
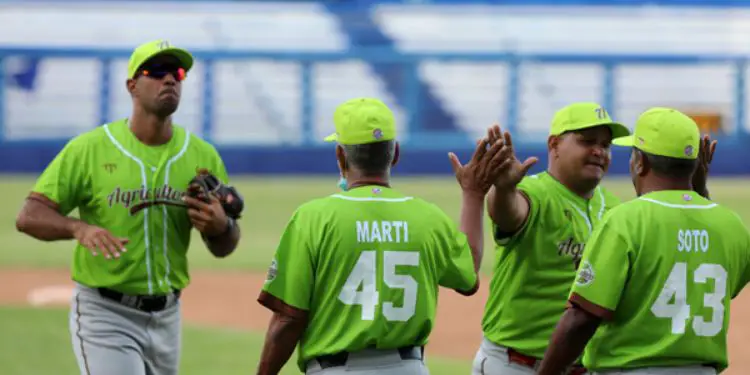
(585, 274)
(272, 270)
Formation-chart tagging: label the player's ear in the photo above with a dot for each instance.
(642, 164)
(553, 141)
(130, 85)
(341, 160)
(396, 154)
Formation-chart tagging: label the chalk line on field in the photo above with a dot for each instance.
(50, 295)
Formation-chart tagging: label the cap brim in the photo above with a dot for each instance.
(331, 138)
(184, 57)
(618, 130)
(626, 141)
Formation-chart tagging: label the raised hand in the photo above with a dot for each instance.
(705, 156)
(100, 241)
(477, 176)
(511, 170)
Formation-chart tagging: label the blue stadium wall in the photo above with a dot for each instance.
(732, 158)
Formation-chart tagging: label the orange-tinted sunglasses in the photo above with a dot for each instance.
(161, 71)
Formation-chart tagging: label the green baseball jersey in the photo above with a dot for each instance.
(366, 264)
(134, 191)
(535, 267)
(662, 270)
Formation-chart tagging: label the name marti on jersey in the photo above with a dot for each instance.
(382, 231)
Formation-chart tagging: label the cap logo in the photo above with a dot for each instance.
(377, 133)
(601, 113)
(641, 140)
(376, 190)
(688, 150)
(164, 44)
(687, 197)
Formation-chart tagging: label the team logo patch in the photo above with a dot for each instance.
(688, 150)
(641, 140)
(272, 270)
(376, 190)
(377, 133)
(585, 274)
(687, 197)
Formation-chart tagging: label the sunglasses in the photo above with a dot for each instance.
(161, 71)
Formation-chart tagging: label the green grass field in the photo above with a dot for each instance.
(25, 332)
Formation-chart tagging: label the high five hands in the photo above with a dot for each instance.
(493, 163)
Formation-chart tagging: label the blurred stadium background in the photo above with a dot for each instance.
(270, 73)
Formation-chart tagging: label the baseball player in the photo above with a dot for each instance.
(653, 291)
(541, 224)
(355, 277)
(128, 181)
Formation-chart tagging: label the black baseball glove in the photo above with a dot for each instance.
(204, 183)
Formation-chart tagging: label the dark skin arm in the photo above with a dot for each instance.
(573, 332)
(472, 214)
(475, 179)
(213, 223)
(705, 156)
(506, 205)
(40, 218)
(284, 332)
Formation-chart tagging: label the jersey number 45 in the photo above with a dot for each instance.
(679, 310)
(364, 275)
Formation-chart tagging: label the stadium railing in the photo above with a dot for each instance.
(417, 139)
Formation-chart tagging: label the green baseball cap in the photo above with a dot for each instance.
(147, 51)
(664, 132)
(361, 121)
(585, 115)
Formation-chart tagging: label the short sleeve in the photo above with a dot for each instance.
(63, 181)
(289, 283)
(532, 189)
(459, 272)
(744, 252)
(219, 169)
(603, 271)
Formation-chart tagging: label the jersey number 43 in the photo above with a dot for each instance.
(364, 275)
(679, 311)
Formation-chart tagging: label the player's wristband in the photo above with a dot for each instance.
(230, 225)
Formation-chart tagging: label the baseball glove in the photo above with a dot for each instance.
(204, 183)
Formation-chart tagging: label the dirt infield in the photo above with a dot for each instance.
(228, 300)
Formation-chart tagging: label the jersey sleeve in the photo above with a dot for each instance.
(219, 169)
(459, 272)
(604, 270)
(744, 261)
(63, 180)
(533, 191)
(289, 283)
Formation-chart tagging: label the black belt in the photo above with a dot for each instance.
(339, 359)
(143, 303)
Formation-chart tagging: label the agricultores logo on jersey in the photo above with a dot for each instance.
(571, 248)
(138, 199)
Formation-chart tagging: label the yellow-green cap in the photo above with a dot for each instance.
(362, 120)
(585, 115)
(146, 51)
(664, 132)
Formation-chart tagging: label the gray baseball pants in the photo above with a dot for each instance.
(493, 359)
(111, 338)
(684, 370)
(373, 362)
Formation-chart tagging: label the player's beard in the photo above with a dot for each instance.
(166, 106)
